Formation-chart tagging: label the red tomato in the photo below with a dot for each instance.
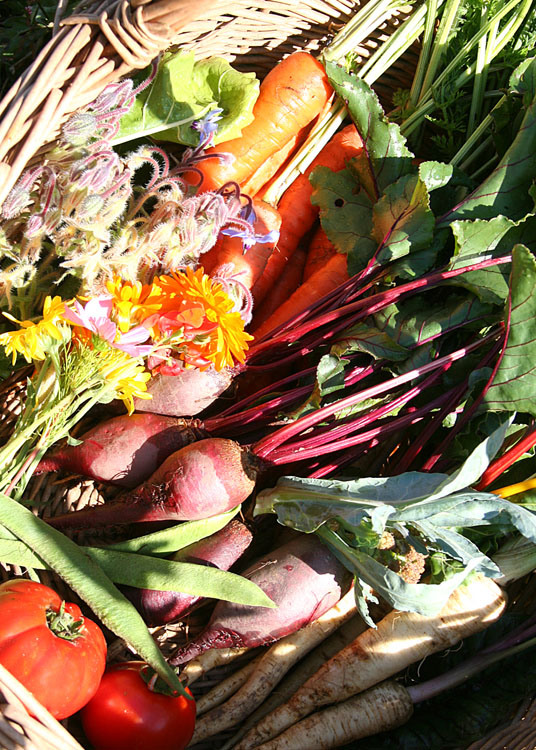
(125, 714)
(63, 671)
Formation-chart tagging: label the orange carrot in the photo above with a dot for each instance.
(290, 97)
(285, 287)
(246, 265)
(320, 251)
(297, 212)
(269, 168)
(326, 278)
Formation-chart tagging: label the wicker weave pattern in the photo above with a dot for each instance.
(109, 39)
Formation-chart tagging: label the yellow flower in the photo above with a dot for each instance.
(31, 339)
(126, 375)
(133, 301)
(225, 341)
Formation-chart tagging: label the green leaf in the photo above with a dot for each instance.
(345, 214)
(402, 219)
(185, 90)
(411, 323)
(143, 571)
(435, 174)
(167, 541)
(514, 385)
(385, 154)
(89, 581)
(372, 340)
(506, 190)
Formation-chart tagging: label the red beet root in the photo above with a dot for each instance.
(220, 550)
(302, 577)
(203, 479)
(124, 450)
(184, 395)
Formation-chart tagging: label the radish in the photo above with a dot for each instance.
(302, 577)
(123, 450)
(220, 550)
(184, 395)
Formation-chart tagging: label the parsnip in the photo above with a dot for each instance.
(215, 657)
(273, 665)
(380, 708)
(305, 669)
(400, 639)
(225, 688)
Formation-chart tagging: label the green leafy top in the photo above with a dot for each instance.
(184, 90)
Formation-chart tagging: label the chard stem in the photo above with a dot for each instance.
(266, 446)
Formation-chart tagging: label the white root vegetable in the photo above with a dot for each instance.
(214, 657)
(272, 667)
(380, 708)
(400, 639)
(225, 688)
(305, 669)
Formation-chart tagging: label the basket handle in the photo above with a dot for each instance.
(89, 51)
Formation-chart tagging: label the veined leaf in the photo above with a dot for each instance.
(185, 90)
(402, 219)
(411, 323)
(366, 338)
(385, 154)
(514, 385)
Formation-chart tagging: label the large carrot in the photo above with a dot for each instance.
(298, 214)
(247, 265)
(284, 288)
(320, 250)
(290, 97)
(324, 280)
(270, 167)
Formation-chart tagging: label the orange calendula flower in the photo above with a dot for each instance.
(31, 338)
(133, 301)
(219, 337)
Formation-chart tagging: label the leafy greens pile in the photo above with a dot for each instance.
(388, 211)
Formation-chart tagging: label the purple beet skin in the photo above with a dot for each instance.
(201, 480)
(302, 577)
(124, 450)
(184, 395)
(220, 550)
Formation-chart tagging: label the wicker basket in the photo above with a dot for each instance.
(101, 42)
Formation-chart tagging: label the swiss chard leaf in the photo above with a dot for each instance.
(185, 90)
(385, 154)
(514, 385)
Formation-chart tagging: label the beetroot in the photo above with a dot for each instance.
(220, 550)
(201, 480)
(184, 395)
(302, 577)
(124, 450)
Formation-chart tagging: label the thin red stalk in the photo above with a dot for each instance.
(337, 433)
(372, 304)
(345, 458)
(291, 453)
(500, 464)
(424, 437)
(470, 410)
(264, 447)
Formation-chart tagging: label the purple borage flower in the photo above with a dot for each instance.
(250, 238)
(207, 126)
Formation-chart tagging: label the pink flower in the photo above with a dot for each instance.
(131, 340)
(94, 316)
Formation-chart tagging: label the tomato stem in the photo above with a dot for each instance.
(63, 624)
